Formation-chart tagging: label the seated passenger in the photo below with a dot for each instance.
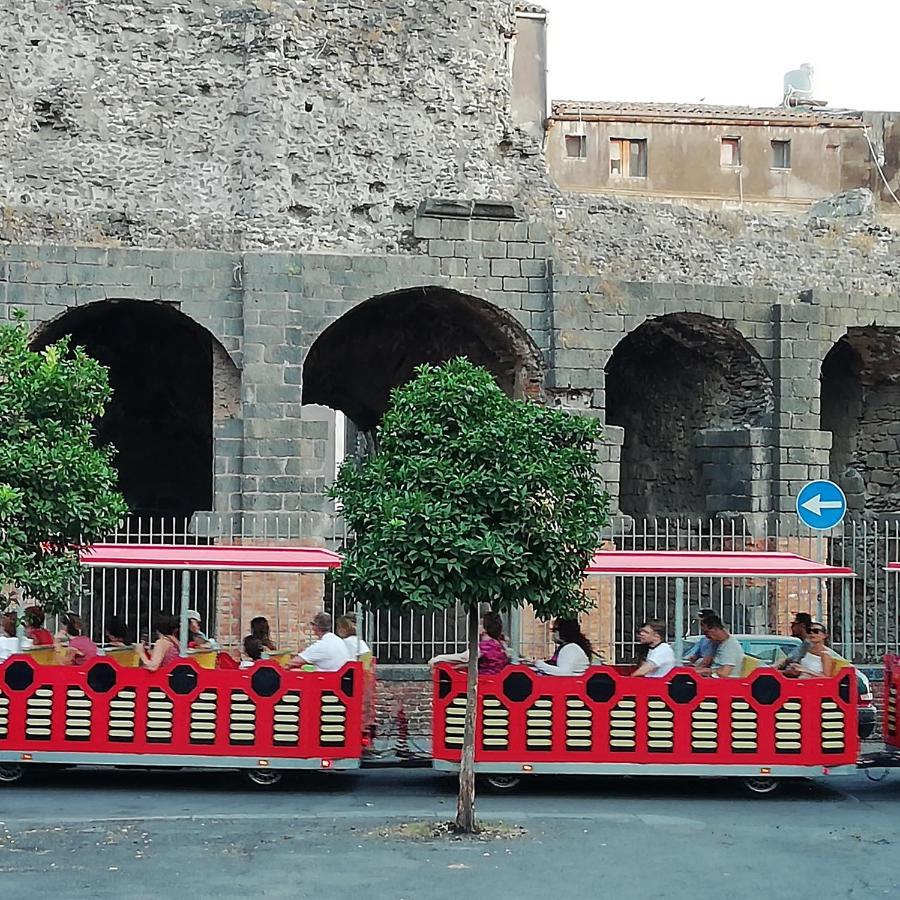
(259, 628)
(72, 644)
(704, 650)
(345, 628)
(197, 640)
(799, 629)
(818, 661)
(328, 653)
(253, 650)
(166, 648)
(575, 650)
(34, 628)
(660, 656)
(117, 633)
(9, 643)
(729, 658)
(493, 655)
(490, 645)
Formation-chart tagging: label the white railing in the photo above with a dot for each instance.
(863, 618)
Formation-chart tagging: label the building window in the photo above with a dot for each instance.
(576, 146)
(730, 152)
(781, 154)
(628, 158)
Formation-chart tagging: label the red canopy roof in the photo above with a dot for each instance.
(744, 564)
(217, 557)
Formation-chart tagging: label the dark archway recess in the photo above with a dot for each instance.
(160, 419)
(359, 359)
(861, 409)
(667, 381)
(356, 362)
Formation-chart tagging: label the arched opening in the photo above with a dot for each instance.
(160, 418)
(861, 409)
(356, 362)
(675, 384)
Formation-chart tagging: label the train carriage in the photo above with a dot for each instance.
(761, 727)
(262, 720)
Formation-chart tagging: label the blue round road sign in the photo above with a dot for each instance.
(821, 505)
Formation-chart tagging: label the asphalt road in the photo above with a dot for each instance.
(91, 833)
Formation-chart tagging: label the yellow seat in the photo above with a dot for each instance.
(839, 663)
(367, 660)
(44, 656)
(282, 657)
(206, 659)
(126, 657)
(750, 664)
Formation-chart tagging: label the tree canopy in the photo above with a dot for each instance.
(57, 490)
(472, 497)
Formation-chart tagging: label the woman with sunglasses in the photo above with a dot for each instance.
(817, 662)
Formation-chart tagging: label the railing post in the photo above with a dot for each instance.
(679, 620)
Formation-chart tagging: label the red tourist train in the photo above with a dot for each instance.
(268, 719)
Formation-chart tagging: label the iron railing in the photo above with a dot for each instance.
(863, 617)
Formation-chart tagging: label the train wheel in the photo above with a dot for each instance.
(759, 787)
(11, 773)
(262, 778)
(503, 783)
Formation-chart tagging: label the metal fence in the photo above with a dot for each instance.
(863, 617)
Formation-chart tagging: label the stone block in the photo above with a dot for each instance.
(456, 229)
(425, 228)
(520, 250)
(534, 268)
(467, 249)
(453, 267)
(483, 230)
(506, 268)
(516, 284)
(513, 231)
(441, 248)
(477, 268)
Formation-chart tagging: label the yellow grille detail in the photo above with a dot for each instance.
(38, 714)
(121, 715)
(834, 736)
(744, 727)
(705, 727)
(579, 721)
(78, 715)
(333, 720)
(494, 725)
(455, 722)
(160, 709)
(623, 725)
(788, 726)
(242, 719)
(539, 725)
(660, 727)
(203, 718)
(286, 727)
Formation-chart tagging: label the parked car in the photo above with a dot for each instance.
(770, 649)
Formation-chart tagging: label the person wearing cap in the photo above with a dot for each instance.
(328, 653)
(799, 629)
(197, 640)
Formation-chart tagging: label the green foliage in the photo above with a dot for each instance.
(473, 497)
(56, 488)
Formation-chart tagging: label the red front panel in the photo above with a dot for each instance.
(262, 712)
(892, 701)
(605, 716)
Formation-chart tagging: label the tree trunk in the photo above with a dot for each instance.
(465, 806)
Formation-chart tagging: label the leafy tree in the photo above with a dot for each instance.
(57, 490)
(472, 498)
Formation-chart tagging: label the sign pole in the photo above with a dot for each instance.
(679, 620)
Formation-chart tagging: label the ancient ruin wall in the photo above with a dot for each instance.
(288, 123)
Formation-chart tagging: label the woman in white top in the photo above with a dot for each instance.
(345, 629)
(574, 653)
(9, 643)
(660, 656)
(817, 662)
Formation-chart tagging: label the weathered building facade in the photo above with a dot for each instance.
(233, 205)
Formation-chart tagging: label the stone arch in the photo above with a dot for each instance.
(686, 388)
(358, 359)
(174, 387)
(860, 383)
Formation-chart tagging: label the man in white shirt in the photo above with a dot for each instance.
(328, 653)
(660, 658)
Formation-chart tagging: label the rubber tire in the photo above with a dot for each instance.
(503, 784)
(263, 779)
(761, 787)
(11, 773)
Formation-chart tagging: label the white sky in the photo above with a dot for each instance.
(725, 52)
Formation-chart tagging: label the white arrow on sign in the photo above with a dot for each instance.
(816, 504)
